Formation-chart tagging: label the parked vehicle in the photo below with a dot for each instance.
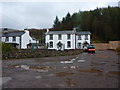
(91, 49)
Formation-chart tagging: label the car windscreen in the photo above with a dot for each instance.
(91, 47)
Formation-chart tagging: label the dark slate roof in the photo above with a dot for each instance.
(83, 32)
(67, 32)
(59, 32)
(7, 29)
(11, 34)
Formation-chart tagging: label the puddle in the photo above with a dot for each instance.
(70, 82)
(114, 72)
(14, 66)
(50, 75)
(63, 74)
(38, 77)
(101, 56)
(73, 59)
(26, 67)
(102, 63)
(73, 67)
(35, 68)
(67, 62)
(118, 54)
(91, 71)
(38, 68)
(80, 60)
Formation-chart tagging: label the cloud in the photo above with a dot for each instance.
(20, 15)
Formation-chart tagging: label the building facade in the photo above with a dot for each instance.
(19, 39)
(67, 39)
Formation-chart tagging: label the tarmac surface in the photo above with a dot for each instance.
(86, 70)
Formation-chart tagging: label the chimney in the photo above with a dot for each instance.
(47, 30)
(74, 30)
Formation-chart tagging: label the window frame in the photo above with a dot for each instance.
(68, 44)
(59, 37)
(51, 44)
(79, 45)
(86, 37)
(13, 38)
(79, 37)
(68, 36)
(51, 37)
(6, 39)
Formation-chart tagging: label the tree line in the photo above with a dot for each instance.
(103, 23)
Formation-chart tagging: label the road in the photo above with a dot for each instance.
(86, 70)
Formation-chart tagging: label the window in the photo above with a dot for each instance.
(14, 39)
(59, 36)
(79, 37)
(6, 39)
(51, 44)
(68, 44)
(79, 45)
(86, 37)
(51, 36)
(68, 36)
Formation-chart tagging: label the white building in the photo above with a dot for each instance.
(19, 39)
(67, 39)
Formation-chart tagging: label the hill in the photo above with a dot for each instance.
(38, 34)
(103, 23)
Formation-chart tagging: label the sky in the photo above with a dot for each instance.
(41, 14)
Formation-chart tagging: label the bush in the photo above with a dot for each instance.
(6, 47)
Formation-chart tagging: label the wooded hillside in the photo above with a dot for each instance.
(103, 23)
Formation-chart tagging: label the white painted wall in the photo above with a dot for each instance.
(11, 40)
(26, 39)
(3, 39)
(82, 40)
(64, 41)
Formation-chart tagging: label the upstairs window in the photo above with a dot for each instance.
(59, 36)
(86, 37)
(68, 36)
(68, 44)
(51, 44)
(6, 39)
(51, 36)
(79, 37)
(14, 39)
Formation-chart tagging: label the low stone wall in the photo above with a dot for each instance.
(38, 53)
(104, 46)
(101, 46)
(114, 44)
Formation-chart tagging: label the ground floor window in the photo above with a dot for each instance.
(6, 39)
(68, 44)
(79, 45)
(51, 44)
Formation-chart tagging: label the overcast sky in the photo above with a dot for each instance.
(20, 15)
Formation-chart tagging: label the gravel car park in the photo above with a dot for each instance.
(86, 70)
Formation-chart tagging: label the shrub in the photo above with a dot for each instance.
(6, 47)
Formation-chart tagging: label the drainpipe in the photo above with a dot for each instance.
(75, 40)
(20, 42)
(74, 29)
